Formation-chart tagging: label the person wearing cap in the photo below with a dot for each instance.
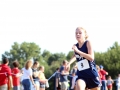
(103, 78)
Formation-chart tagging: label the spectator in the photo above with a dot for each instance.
(57, 79)
(5, 75)
(99, 73)
(118, 82)
(74, 77)
(27, 79)
(42, 78)
(16, 76)
(35, 74)
(109, 83)
(103, 78)
(64, 76)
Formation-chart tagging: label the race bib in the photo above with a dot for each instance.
(83, 64)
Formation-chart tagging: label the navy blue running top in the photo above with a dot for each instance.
(86, 68)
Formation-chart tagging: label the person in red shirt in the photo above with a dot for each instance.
(103, 78)
(5, 75)
(16, 76)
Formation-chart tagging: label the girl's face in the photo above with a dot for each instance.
(43, 69)
(109, 77)
(98, 68)
(80, 34)
(37, 65)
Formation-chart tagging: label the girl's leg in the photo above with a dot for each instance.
(37, 85)
(80, 84)
(42, 88)
(96, 88)
(110, 88)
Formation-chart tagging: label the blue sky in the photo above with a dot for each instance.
(51, 24)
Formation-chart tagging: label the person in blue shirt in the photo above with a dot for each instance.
(64, 75)
(86, 67)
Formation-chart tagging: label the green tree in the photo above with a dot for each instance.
(110, 59)
(56, 57)
(23, 52)
(46, 54)
(70, 55)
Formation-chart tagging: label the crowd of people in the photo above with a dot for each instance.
(85, 75)
(31, 76)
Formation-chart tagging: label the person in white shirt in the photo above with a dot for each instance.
(118, 82)
(27, 79)
(110, 83)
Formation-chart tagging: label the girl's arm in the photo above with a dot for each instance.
(19, 74)
(71, 60)
(32, 79)
(64, 72)
(112, 80)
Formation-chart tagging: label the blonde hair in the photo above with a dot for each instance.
(28, 64)
(81, 28)
(41, 67)
(98, 68)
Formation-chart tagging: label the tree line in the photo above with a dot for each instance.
(27, 50)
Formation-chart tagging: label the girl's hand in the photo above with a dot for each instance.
(74, 47)
(34, 85)
(46, 80)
